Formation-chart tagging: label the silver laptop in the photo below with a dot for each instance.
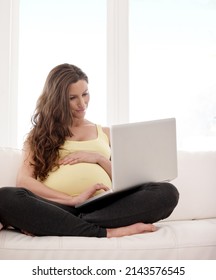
(141, 152)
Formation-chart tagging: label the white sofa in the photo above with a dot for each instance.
(189, 233)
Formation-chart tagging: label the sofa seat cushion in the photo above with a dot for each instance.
(173, 240)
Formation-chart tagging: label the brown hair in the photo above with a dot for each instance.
(52, 118)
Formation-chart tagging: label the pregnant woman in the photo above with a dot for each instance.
(66, 160)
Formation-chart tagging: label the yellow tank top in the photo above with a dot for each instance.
(75, 179)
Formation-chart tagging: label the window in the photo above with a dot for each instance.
(173, 67)
(169, 54)
(54, 32)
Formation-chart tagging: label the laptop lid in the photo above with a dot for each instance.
(143, 152)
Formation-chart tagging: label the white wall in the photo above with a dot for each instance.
(8, 71)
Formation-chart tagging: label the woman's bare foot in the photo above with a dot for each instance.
(130, 230)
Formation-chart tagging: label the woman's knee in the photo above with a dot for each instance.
(163, 191)
(5, 193)
(170, 194)
(9, 194)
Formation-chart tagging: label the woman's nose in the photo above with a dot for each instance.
(81, 103)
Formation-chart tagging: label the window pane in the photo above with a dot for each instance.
(61, 31)
(173, 67)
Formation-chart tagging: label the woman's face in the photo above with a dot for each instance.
(79, 98)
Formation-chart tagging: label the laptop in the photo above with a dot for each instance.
(141, 152)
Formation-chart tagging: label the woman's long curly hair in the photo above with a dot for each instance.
(52, 119)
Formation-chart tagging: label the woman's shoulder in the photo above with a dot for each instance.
(104, 131)
(100, 128)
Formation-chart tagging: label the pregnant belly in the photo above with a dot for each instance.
(75, 179)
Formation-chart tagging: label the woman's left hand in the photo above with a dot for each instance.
(89, 193)
(79, 157)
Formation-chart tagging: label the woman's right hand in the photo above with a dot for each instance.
(89, 193)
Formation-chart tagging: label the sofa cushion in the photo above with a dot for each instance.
(173, 240)
(196, 183)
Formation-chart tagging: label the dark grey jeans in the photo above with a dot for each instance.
(24, 210)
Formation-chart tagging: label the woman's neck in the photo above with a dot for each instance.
(80, 123)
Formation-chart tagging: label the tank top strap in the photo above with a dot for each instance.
(101, 133)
